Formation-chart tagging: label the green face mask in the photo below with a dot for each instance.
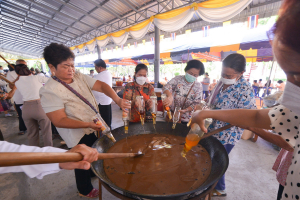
(189, 78)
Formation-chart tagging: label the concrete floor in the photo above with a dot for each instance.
(249, 176)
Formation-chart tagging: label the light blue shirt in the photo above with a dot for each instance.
(237, 96)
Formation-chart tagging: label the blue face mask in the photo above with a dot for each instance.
(189, 78)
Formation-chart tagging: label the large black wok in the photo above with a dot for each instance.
(215, 149)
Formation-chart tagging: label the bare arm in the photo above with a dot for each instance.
(60, 119)
(169, 100)
(108, 91)
(238, 117)
(270, 137)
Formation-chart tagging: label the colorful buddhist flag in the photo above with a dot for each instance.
(188, 31)
(205, 30)
(252, 21)
(112, 49)
(117, 48)
(122, 47)
(173, 36)
(144, 42)
(128, 45)
(135, 44)
(152, 40)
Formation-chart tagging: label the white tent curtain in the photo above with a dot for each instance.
(91, 46)
(224, 13)
(120, 40)
(175, 23)
(220, 14)
(140, 33)
(81, 50)
(102, 43)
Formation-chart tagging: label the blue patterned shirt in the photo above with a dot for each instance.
(237, 96)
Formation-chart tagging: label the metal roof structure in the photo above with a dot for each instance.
(27, 26)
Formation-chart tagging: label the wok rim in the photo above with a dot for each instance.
(150, 196)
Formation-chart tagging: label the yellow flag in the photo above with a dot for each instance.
(227, 23)
(144, 42)
(188, 31)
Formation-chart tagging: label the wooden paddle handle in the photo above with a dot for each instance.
(32, 158)
(7, 62)
(216, 131)
(5, 79)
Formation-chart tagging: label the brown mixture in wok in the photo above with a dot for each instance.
(162, 170)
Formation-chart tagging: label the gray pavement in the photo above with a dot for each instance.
(249, 176)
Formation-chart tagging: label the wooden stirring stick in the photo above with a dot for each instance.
(216, 131)
(32, 158)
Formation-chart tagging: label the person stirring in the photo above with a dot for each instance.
(70, 114)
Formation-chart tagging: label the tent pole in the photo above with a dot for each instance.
(98, 52)
(156, 56)
(268, 82)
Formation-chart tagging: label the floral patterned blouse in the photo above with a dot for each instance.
(237, 96)
(179, 88)
(286, 123)
(132, 89)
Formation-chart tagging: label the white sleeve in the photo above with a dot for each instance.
(38, 171)
(50, 101)
(42, 79)
(2, 83)
(90, 81)
(285, 123)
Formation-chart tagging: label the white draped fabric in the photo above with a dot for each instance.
(140, 33)
(102, 43)
(81, 50)
(120, 40)
(175, 23)
(224, 13)
(91, 46)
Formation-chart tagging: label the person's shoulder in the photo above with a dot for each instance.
(51, 84)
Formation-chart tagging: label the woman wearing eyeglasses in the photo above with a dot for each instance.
(184, 90)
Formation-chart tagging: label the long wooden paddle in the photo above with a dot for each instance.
(32, 158)
(216, 131)
(5, 79)
(7, 62)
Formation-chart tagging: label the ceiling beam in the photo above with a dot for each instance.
(80, 10)
(42, 16)
(60, 13)
(35, 21)
(105, 9)
(129, 5)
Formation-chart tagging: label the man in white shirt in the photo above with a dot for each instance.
(18, 99)
(104, 102)
(91, 73)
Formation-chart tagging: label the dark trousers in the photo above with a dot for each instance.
(221, 183)
(105, 112)
(83, 177)
(280, 191)
(22, 126)
(205, 94)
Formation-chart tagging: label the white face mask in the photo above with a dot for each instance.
(141, 80)
(291, 97)
(228, 81)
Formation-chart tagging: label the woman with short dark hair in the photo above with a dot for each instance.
(231, 92)
(69, 103)
(184, 91)
(139, 87)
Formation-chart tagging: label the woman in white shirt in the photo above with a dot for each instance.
(33, 113)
